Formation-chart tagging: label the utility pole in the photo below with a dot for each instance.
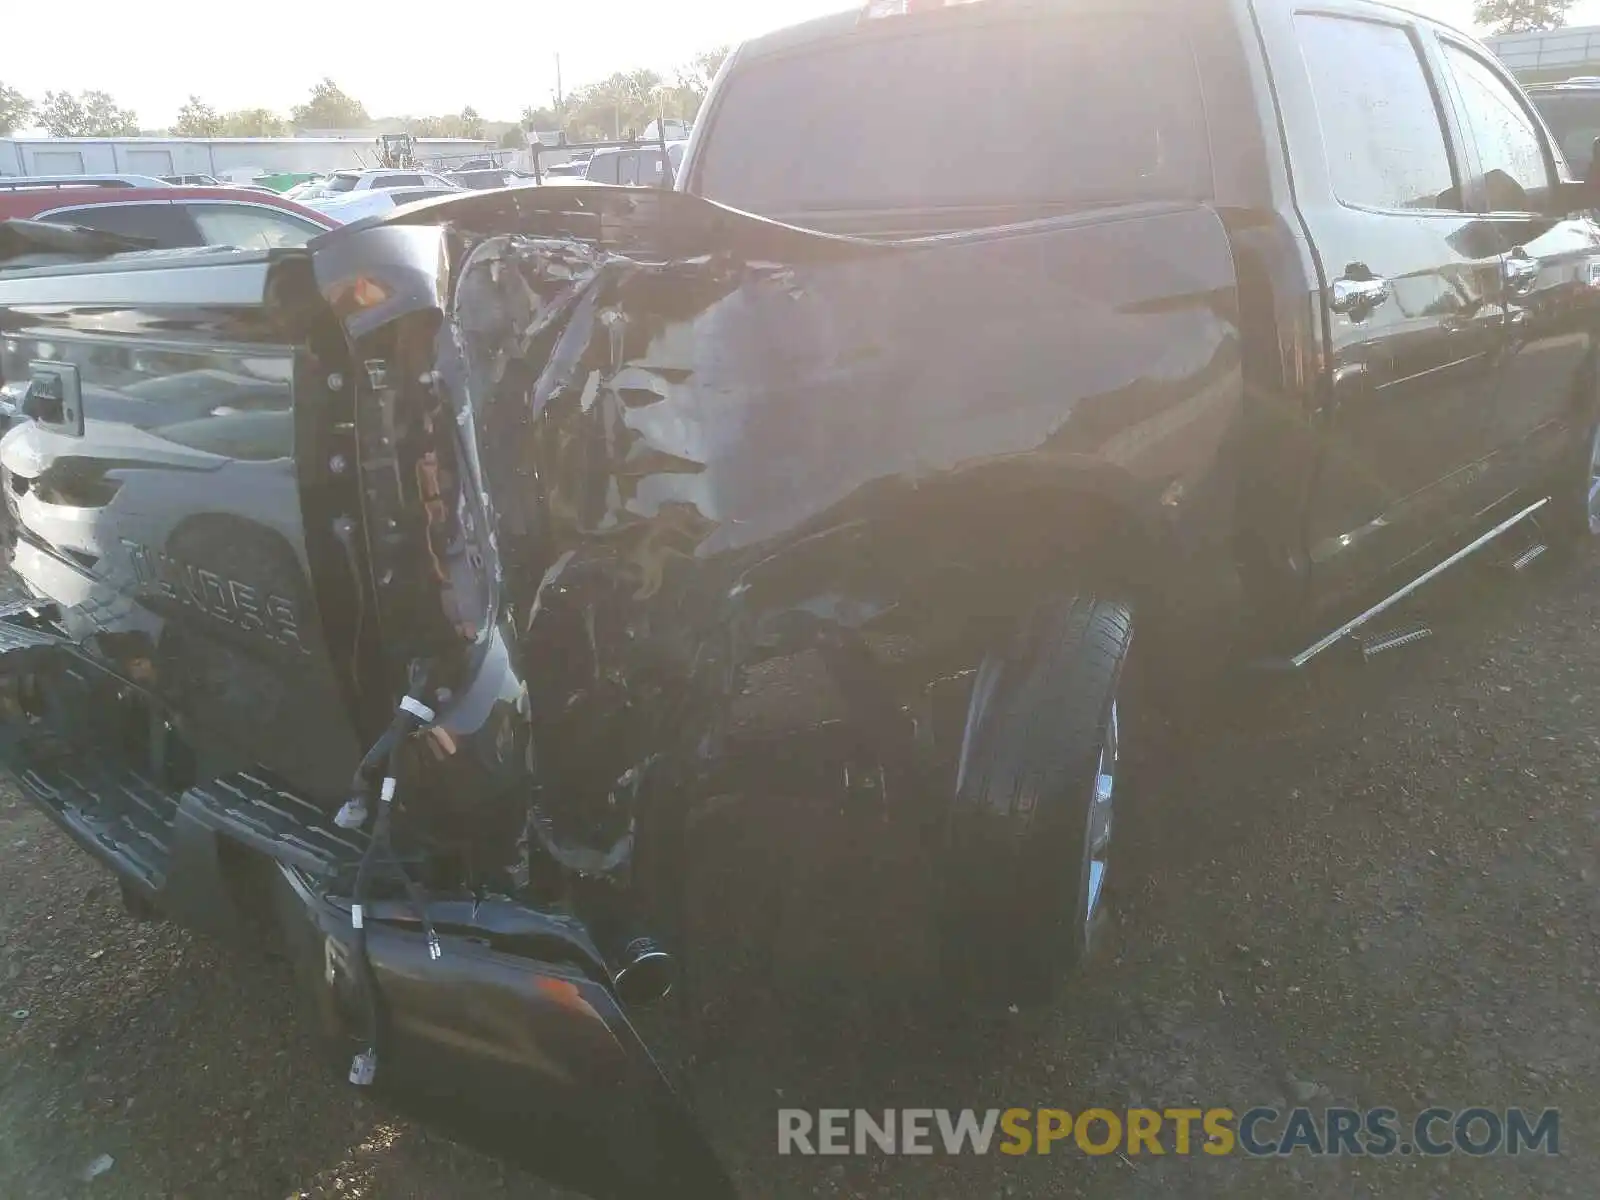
(560, 99)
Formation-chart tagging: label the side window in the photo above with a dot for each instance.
(1516, 173)
(1385, 143)
(603, 170)
(166, 225)
(394, 181)
(251, 227)
(1574, 120)
(628, 168)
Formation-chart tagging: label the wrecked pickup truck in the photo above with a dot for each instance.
(388, 598)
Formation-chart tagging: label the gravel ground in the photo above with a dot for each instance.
(1370, 887)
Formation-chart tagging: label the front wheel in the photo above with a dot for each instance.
(1575, 497)
(1027, 853)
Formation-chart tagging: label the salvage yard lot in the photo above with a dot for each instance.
(1376, 887)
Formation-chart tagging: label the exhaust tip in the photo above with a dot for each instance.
(647, 973)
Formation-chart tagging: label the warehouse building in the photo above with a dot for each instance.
(1548, 56)
(236, 159)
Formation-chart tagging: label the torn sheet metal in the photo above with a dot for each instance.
(704, 438)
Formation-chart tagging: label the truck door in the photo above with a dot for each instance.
(1411, 291)
(1544, 378)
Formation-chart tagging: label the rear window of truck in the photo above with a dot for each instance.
(1081, 109)
(1574, 119)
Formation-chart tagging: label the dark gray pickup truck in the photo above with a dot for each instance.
(388, 598)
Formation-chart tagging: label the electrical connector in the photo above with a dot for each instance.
(353, 815)
(364, 1068)
(418, 709)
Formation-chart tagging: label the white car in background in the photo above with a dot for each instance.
(309, 190)
(634, 166)
(346, 207)
(487, 179)
(388, 177)
(346, 183)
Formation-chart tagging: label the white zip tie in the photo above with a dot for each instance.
(364, 1068)
(418, 709)
(353, 814)
(355, 916)
(386, 793)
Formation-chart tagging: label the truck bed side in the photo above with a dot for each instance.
(970, 407)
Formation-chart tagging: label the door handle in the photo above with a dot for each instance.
(52, 396)
(1358, 297)
(1520, 271)
(45, 400)
(39, 399)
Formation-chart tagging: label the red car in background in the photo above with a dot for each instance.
(169, 216)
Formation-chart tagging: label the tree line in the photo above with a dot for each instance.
(628, 100)
(625, 102)
(65, 114)
(1521, 16)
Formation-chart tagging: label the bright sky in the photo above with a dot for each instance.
(493, 55)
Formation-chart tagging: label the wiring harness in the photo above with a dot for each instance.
(377, 779)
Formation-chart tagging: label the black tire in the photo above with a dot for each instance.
(1017, 856)
(1574, 521)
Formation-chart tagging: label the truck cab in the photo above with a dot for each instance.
(1413, 285)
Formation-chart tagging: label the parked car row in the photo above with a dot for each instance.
(201, 180)
(172, 212)
(347, 196)
(485, 178)
(345, 207)
(180, 210)
(166, 215)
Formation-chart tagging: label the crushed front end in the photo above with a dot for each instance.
(394, 594)
(296, 653)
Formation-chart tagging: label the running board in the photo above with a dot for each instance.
(252, 809)
(1349, 627)
(121, 818)
(27, 626)
(1393, 639)
(1528, 557)
(135, 826)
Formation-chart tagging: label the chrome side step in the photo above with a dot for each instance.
(1528, 557)
(26, 626)
(1349, 627)
(1382, 643)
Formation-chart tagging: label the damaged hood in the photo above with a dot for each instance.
(692, 438)
(744, 380)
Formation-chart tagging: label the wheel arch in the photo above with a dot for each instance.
(946, 558)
